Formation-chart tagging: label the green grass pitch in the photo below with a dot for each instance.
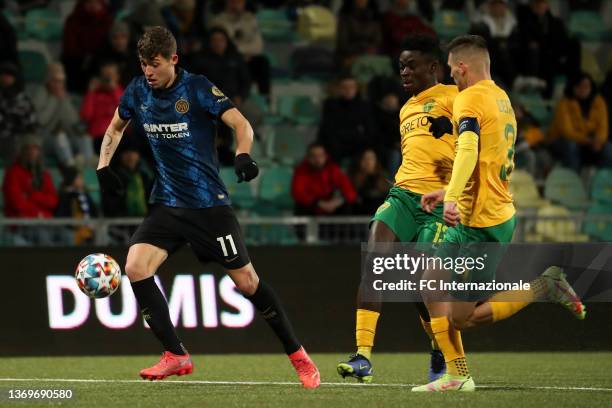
(506, 380)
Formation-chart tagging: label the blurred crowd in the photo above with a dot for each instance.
(350, 47)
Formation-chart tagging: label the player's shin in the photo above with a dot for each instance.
(155, 311)
(449, 341)
(267, 303)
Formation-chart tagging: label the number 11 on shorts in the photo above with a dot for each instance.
(224, 248)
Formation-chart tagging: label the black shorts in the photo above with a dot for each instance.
(213, 233)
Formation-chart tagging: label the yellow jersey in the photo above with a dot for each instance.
(486, 200)
(427, 162)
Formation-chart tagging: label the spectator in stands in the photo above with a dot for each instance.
(500, 24)
(369, 180)
(606, 92)
(75, 202)
(241, 26)
(319, 186)
(120, 50)
(17, 114)
(59, 120)
(397, 23)
(531, 151)
(224, 66)
(8, 45)
(359, 30)
(85, 32)
(546, 48)
(385, 95)
(580, 126)
(347, 126)
(185, 18)
(29, 193)
(146, 14)
(133, 200)
(100, 102)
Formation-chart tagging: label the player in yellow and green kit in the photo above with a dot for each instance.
(478, 204)
(428, 148)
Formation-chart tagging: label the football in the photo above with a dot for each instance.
(98, 275)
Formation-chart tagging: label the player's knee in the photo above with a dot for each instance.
(459, 323)
(136, 271)
(246, 282)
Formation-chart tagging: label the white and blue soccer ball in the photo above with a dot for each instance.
(98, 275)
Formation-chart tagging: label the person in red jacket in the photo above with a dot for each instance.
(99, 104)
(319, 186)
(28, 189)
(85, 34)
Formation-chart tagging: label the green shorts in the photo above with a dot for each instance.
(464, 242)
(403, 214)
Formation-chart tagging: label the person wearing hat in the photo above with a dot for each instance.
(16, 111)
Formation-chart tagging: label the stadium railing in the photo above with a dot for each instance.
(288, 230)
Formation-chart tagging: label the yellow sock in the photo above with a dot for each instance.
(365, 331)
(427, 328)
(451, 346)
(504, 309)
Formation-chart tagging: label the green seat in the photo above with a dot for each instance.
(241, 194)
(56, 176)
(588, 26)
(599, 229)
(563, 186)
(537, 106)
(43, 24)
(450, 23)
(275, 25)
(288, 146)
(275, 187)
(601, 187)
(34, 65)
(91, 184)
(299, 109)
(368, 66)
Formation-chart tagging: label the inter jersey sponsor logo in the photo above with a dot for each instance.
(167, 130)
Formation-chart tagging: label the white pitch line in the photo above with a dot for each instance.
(331, 384)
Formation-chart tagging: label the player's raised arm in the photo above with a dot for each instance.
(246, 167)
(109, 181)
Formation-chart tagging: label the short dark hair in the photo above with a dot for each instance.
(156, 41)
(467, 41)
(425, 44)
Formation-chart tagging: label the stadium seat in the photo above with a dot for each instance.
(91, 183)
(563, 186)
(56, 176)
(525, 191)
(559, 227)
(601, 187)
(599, 229)
(43, 24)
(368, 66)
(34, 65)
(289, 144)
(241, 194)
(275, 187)
(537, 106)
(275, 25)
(450, 23)
(316, 23)
(588, 26)
(298, 109)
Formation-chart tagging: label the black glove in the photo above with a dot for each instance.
(109, 181)
(440, 126)
(246, 167)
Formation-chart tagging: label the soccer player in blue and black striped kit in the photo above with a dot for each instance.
(178, 113)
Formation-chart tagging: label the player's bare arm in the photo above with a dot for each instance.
(108, 180)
